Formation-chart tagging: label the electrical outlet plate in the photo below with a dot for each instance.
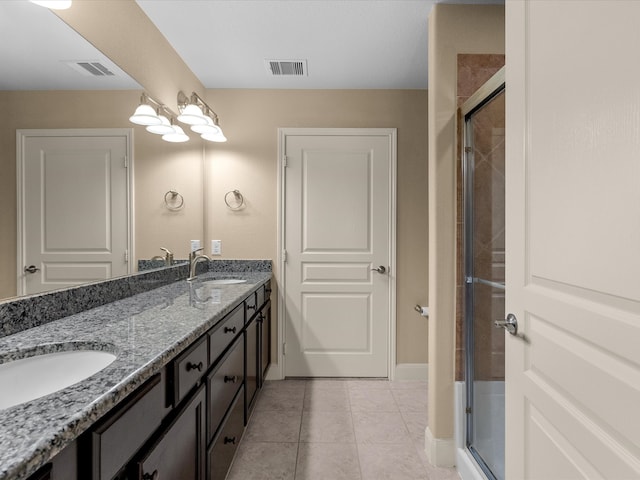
(216, 247)
(195, 245)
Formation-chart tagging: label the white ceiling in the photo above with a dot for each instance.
(346, 43)
(35, 46)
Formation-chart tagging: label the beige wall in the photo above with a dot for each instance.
(248, 162)
(453, 29)
(158, 167)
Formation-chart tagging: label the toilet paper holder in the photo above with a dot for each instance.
(424, 311)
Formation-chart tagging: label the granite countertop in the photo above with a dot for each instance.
(145, 331)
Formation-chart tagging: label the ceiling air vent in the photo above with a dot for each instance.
(90, 68)
(287, 68)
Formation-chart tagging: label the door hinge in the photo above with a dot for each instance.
(284, 256)
(126, 256)
(468, 410)
(467, 149)
(126, 162)
(284, 348)
(284, 161)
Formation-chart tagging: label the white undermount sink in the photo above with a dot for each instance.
(225, 281)
(33, 377)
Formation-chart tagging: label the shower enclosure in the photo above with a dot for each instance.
(484, 270)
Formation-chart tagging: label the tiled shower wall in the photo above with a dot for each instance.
(473, 71)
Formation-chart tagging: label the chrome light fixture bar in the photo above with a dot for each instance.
(158, 119)
(200, 117)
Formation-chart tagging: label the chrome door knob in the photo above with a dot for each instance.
(510, 324)
(31, 269)
(380, 269)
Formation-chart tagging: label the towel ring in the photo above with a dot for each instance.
(239, 200)
(176, 202)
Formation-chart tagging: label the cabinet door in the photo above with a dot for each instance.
(178, 453)
(265, 342)
(251, 364)
(224, 446)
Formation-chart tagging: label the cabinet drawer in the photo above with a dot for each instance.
(224, 447)
(223, 384)
(119, 436)
(188, 368)
(251, 306)
(223, 335)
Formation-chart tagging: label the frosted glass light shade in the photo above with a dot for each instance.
(163, 129)
(215, 137)
(192, 115)
(177, 136)
(145, 115)
(208, 127)
(53, 4)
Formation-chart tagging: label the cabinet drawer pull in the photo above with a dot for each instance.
(251, 307)
(194, 366)
(151, 476)
(260, 318)
(231, 440)
(230, 378)
(229, 329)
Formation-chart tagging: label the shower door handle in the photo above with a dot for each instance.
(510, 324)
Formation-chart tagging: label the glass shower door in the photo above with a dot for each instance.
(484, 212)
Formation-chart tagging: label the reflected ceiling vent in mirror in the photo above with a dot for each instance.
(90, 68)
(287, 68)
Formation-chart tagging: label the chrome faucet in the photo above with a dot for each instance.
(194, 259)
(168, 257)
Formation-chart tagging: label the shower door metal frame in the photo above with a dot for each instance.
(484, 95)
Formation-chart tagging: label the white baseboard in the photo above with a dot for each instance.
(412, 371)
(403, 372)
(441, 452)
(274, 372)
(467, 467)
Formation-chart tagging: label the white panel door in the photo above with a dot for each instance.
(573, 239)
(337, 232)
(75, 209)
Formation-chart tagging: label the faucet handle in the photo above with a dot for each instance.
(166, 250)
(194, 253)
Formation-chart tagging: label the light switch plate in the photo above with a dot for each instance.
(216, 247)
(195, 245)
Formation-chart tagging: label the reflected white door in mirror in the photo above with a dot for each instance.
(74, 207)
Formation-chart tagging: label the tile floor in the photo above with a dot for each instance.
(335, 430)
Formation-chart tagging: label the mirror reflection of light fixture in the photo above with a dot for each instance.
(192, 108)
(164, 128)
(53, 4)
(177, 136)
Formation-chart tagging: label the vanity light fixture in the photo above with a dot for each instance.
(146, 114)
(190, 111)
(193, 108)
(53, 4)
(163, 128)
(158, 119)
(177, 136)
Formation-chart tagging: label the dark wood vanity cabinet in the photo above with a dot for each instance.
(186, 422)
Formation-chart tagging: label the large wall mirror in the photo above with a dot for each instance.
(44, 86)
